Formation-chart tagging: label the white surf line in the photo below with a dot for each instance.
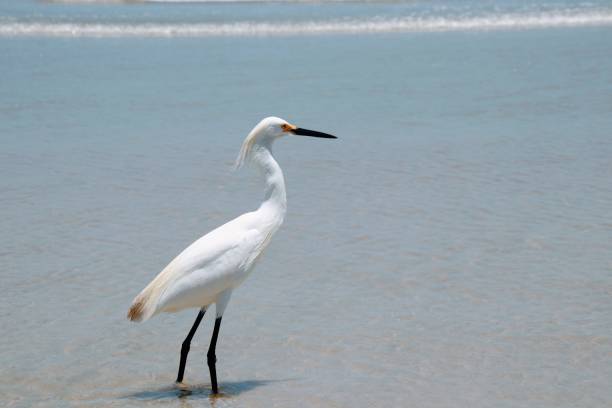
(406, 24)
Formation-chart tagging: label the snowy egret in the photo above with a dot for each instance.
(213, 266)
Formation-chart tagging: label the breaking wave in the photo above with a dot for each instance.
(375, 25)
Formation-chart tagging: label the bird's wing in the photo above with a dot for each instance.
(204, 264)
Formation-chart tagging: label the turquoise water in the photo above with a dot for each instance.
(452, 248)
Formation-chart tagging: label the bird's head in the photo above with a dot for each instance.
(270, 129)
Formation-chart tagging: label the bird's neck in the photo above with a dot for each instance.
(275, 200)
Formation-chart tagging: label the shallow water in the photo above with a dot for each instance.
(452, 248)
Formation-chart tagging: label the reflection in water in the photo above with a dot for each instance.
(185, 392)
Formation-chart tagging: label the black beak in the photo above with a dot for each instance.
(313, 133)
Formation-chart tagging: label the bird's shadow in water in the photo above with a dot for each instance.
(200, 391)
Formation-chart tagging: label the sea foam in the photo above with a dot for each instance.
(522, 21)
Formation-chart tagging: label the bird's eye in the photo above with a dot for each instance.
(286, 127)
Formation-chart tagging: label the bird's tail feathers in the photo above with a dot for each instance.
(142, 308)
(146, 304)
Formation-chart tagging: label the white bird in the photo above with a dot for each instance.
(209, 270)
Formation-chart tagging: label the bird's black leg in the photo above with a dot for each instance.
(212, 358)
(187, 344)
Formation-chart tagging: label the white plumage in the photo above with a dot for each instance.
(210, 268)
(213, 266)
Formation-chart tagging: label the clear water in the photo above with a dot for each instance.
(452, 248)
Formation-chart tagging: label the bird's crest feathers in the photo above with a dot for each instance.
(251, 139)
(245, 150)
